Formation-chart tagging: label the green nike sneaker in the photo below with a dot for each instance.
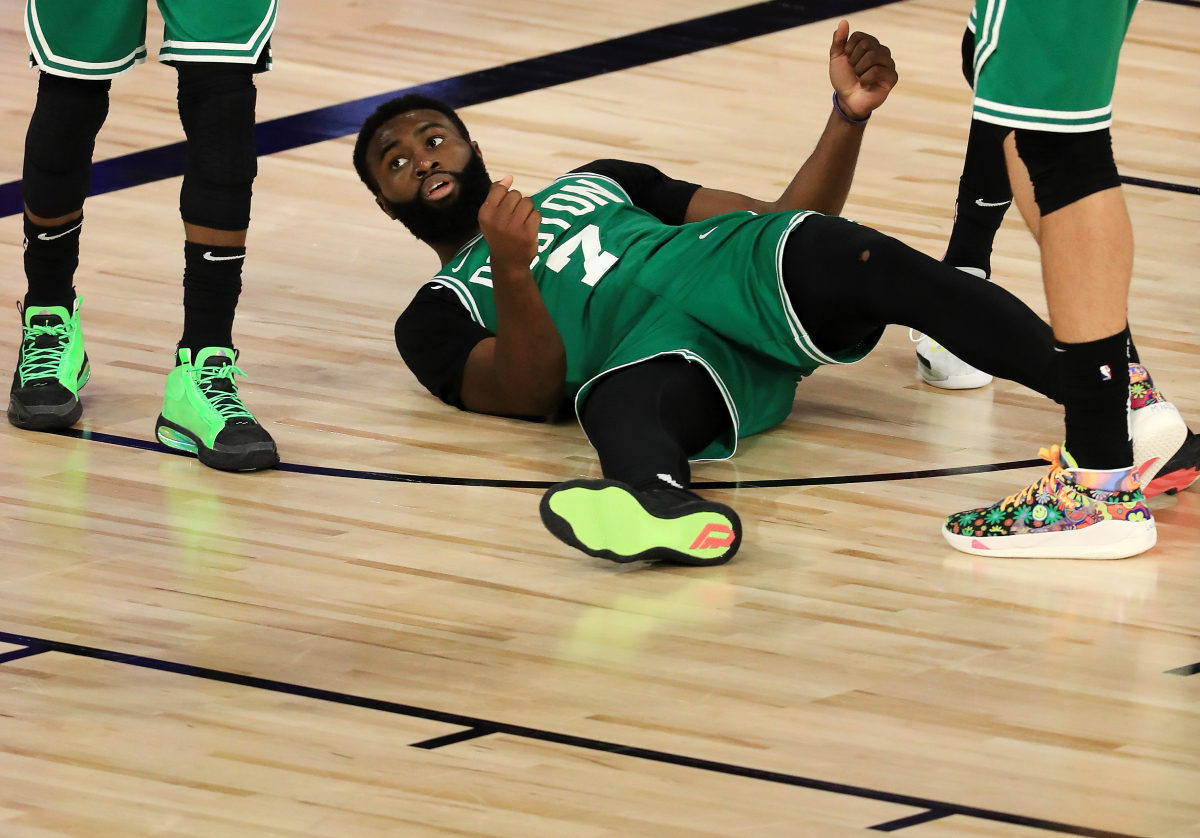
(203, 415)
(610, 520)
(52, 367)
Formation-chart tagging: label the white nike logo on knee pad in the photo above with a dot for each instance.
(46, 238)
(208, 255)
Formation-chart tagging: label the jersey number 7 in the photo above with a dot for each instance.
(596, 262)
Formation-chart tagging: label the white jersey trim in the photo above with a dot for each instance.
(43, 47)
(268, 20)
(464, 296)
(1016, 110)
(793, 320)
(988, 38)
(1050, 127)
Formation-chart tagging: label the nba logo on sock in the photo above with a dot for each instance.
(1105, 372)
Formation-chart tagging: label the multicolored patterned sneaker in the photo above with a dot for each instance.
(52, 367)
(1071, 513)
(1180, 472)
(1155, 425)
(610, 520)
(203, 415)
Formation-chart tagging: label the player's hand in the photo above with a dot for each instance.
(862, 71)
(509, 222)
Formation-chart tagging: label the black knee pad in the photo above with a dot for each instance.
(216, 107)
(59, 144)
(1065, 168)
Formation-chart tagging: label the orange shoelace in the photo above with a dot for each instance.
(1027, 494)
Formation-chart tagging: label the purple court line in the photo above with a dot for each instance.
(486, 727)
(394, 477)
(501, 82)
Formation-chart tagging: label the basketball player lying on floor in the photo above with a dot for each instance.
(678, 318)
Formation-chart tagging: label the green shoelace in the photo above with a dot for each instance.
(224, 400)
(39, 362)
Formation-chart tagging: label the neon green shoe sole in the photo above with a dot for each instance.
(609, 520)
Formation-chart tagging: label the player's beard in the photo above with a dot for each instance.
(453, 221)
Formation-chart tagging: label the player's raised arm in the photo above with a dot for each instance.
(862, 73)
(519, 372)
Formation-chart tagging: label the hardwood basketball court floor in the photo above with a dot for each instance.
(381, 639)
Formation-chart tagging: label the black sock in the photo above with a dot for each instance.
(984, 195)
(212, 281)
(51, 257)
(1095, 392)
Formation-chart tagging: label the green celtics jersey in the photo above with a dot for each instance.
(623, 287)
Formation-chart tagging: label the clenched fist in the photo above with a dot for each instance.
(862, 71)
(509, 222)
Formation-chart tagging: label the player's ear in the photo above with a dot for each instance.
(383, 205)
(475, 146)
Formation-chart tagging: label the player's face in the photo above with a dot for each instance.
(429, 177)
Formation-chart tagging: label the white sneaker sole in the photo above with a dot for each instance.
(1158, 431)
(1105, 540)
(970, 381)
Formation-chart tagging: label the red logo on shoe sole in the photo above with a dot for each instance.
(707, 537)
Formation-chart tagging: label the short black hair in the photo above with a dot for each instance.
(389, 109)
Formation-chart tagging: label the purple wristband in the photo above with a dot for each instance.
(842, 113)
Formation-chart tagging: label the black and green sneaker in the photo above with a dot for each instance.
(203, 415)
(610, 520)
(52, 367)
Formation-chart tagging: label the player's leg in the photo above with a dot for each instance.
(847, 282)
(1022, 187)
(1087, 246)
(843, 299)
(203, 414)
(983, 198)
(1049, 71)
(78, 47)
(1155, 423)
(645, 421)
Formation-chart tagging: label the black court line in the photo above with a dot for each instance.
(17, 654)
(1162, 184)
(611, 56)
(454, 738)
(1190, 669)
(912, 820)
(432, 479)
(567, 740)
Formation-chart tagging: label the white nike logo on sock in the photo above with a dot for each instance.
(208, 255)
(979, 202)
(46, 238)
(666, 478)
(703, 235)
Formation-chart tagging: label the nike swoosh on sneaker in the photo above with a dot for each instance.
(979, 202)
(46, 238)
(704, 235)
(209, 256)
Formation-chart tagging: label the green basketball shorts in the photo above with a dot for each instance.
(1048, 65)
(720, 301)
(757, 390)
(101, 39)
